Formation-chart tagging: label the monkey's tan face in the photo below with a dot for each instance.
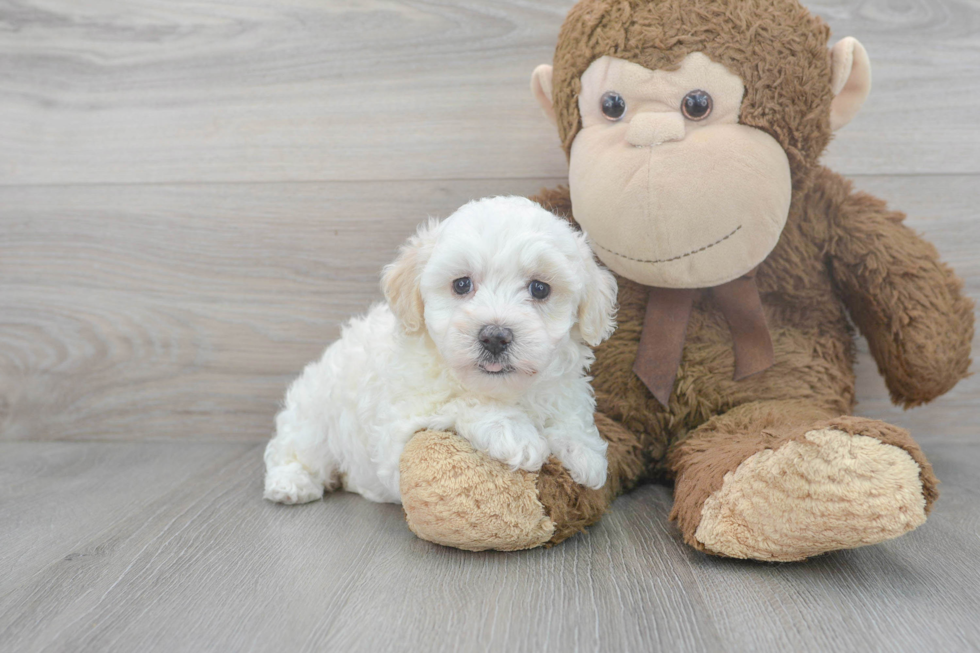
(671, 190)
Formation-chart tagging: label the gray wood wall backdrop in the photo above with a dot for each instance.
(195, 194)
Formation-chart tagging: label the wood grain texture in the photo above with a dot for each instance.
(183, 312)
(162, 312)
(56, 497)
(211, 566)
(206, 91)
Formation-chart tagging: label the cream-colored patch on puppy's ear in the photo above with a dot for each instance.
(597, 309)
(850, 80)
(400, 280)
(541, 88)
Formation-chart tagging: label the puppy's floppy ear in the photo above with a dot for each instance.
(597, 309)
(400, 280)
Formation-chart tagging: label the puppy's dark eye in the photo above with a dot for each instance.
(539, 289)
(462, 286)
(613, 106)
(696, 105)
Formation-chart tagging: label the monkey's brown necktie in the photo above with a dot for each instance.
(665, 326)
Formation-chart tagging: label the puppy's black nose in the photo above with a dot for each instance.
(495, 339)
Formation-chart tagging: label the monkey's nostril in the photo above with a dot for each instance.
(495, 339)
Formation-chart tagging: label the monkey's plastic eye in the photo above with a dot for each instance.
(696, 105)
(462, 286)
(539, 289)
(613, 105)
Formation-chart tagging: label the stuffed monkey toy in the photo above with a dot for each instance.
(693, 130)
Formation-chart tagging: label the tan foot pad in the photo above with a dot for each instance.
(829, 491)
(456, 496)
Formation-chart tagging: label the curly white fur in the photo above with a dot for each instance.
(417, 363)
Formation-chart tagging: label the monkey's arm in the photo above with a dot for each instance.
(907, 303)
(558, 200)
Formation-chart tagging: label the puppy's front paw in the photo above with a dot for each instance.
(291, 484)
(586, 466)
(512, 441)
(529, 454)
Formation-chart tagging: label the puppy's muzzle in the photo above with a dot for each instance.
(495, 339)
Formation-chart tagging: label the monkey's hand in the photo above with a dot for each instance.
(906, 302)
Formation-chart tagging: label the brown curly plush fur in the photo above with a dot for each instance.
(841, 254)
(777, 47)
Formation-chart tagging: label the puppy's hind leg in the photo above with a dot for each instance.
(297, 461)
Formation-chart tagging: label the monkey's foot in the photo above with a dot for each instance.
(456, 496)
(831, 488)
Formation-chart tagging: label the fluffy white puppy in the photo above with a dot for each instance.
(487, 329)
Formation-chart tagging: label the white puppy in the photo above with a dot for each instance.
(487, 330)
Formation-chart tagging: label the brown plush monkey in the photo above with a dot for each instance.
(693, 130)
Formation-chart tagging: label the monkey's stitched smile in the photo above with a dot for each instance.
(673, 258)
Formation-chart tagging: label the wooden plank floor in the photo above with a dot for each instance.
(195, 194)
(195, 560)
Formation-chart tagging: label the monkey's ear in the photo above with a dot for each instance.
(400, 280)
(850, 80)
(541, 87)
